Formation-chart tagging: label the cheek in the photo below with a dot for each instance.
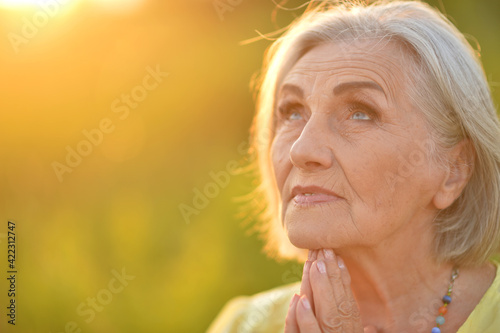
(392, 180)
(280, 158)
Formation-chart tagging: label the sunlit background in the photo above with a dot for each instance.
(114, 116)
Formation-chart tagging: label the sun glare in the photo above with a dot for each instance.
(18, 3)
(118, 5)
(114, 5)
(13, 4)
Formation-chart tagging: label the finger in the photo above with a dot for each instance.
(305, 286)
(305, 317)
(331, 286)
(345, 276)
(324, 298)
(291, 325)
(336, 278)
(313, 255)
(349, 297)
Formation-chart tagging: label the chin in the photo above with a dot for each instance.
(300, 241)
(308, 236)
(319, 234)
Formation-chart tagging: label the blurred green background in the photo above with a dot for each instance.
(118, 208)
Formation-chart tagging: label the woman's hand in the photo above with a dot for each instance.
(326, 303)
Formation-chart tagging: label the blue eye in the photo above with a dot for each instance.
(294, 116)
(290, 111)
(360, 116)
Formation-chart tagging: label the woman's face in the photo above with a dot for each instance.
(350, 150)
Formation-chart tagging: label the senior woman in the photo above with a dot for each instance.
(378, 147)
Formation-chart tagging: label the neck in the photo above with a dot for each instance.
(394, 279)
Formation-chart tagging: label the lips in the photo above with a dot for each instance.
(311, 195)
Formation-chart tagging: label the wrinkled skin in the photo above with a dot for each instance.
(346, 124)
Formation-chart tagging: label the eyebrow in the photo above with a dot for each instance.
(338, 90)
(292, 89)
(346, 86)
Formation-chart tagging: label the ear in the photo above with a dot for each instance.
(459, 170)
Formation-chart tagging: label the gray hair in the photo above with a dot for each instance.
(454, 98)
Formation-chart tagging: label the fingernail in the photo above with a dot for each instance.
(307, 265)
(293, 299)
(340, 262)
(328, 253)
(309, 254)
(305, 303)
(321, 266)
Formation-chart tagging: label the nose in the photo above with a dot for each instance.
(311, 151)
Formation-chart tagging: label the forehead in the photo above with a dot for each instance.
(385, 63)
